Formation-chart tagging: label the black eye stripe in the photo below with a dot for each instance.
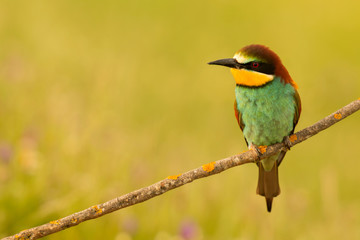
(261, 67)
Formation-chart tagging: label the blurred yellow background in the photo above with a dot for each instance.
(99, 98)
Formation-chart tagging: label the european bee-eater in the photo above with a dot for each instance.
(267, 107)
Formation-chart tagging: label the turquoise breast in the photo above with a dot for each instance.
(267, 112)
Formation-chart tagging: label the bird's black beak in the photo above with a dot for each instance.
(227, 62)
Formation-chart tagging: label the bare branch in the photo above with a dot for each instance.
(175, 181)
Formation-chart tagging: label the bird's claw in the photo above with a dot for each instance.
(260, 150)
(287, 143)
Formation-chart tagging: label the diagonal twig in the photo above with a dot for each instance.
(175, 181)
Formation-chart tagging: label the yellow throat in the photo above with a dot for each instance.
(250, 78)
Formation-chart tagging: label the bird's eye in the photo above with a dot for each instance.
(255, 64)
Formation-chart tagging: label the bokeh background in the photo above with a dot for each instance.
(99, 98)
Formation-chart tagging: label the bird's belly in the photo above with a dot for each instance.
(264, 127)
(267, 113)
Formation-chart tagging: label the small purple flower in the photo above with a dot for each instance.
(6, 152)
(188, 229)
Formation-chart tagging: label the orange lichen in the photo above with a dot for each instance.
(73, 220)
(97, 209)
(262, 149)
(337, 116)
(174, 177)
(293, 138)
(208, 167)
(20, 237)
(56, 222)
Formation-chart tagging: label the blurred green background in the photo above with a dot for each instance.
(99, 98)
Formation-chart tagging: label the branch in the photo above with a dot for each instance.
(175, 181)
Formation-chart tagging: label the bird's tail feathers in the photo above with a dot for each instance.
(268, 184)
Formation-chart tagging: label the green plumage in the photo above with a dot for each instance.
(267, 113)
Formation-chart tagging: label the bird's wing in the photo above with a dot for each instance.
(239, 119)
(297, 113)
(297, 102)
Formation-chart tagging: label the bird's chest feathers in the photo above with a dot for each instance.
(250, 78)
(267, 112)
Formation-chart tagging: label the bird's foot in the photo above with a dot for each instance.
(260, 150)
(288, 141)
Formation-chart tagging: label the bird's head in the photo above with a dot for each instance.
(255, 65)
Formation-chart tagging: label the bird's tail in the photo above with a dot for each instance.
(268, 184)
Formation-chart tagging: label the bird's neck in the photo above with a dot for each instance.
(248, 78)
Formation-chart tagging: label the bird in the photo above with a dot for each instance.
(267, 108)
